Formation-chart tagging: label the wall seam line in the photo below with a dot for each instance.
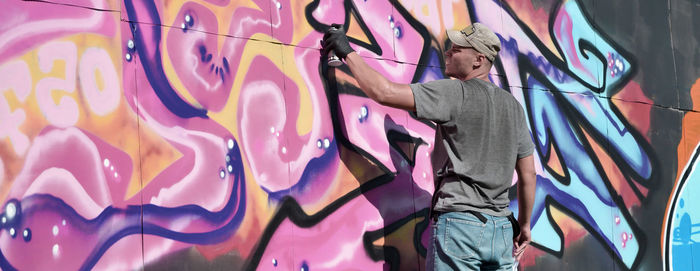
(673, 54)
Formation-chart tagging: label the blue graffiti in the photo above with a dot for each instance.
(150, 60)
(307, 178)
(567, 99)
(682, 236)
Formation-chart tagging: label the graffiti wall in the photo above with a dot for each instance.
(211, 135)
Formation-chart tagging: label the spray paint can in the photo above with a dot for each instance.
(334, 60)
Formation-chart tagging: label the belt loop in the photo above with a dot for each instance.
(516, 226)
(434, 215)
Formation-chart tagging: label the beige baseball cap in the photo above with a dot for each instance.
(479, 37)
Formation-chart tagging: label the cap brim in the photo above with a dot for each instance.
(456, 37)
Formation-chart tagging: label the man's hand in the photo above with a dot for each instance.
(527, 181)
(521, 241)
(336, 40)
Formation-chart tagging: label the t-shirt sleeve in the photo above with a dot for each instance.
(437, 100)
(525, 145)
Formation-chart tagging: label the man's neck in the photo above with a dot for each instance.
(478, 74)
(484, 77)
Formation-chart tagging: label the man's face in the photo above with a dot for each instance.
(460, 61)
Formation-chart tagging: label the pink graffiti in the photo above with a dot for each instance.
(68, 164)
(35, 23)
(365, 124)
(66, 113)
(563, 29)
(338, 239)
(194, 54)
(88, 174)
(91, 176)
(16, 78)
(100, 101)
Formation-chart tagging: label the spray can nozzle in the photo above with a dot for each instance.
(334, 60)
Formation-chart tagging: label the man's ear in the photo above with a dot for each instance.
(480, 60)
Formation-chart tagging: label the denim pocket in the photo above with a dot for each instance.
(463, 237)
(507, 249)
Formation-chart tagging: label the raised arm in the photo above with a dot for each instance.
(372, 83)
(525, 167)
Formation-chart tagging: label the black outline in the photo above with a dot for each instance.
(577, 118)
(395, 137)
(547, 202)
(377, 253)
(350, 10)
(577, 127)
(552, 144)
(290, 208)
(668, 231)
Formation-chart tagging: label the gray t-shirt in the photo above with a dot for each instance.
(481, 132)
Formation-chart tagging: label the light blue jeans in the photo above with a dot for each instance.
(460, 241)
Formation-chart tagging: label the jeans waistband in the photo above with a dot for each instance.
(516, 227)
(478, 215)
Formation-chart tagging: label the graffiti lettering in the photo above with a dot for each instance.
(15, 77)
(96, 69)
(101, 101)
(66, 113)
(236, 147)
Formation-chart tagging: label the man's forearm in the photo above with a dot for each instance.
(378, 87)
(527, 181)
(374, 84)
(526, 197)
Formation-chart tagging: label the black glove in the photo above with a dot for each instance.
(336, 40)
